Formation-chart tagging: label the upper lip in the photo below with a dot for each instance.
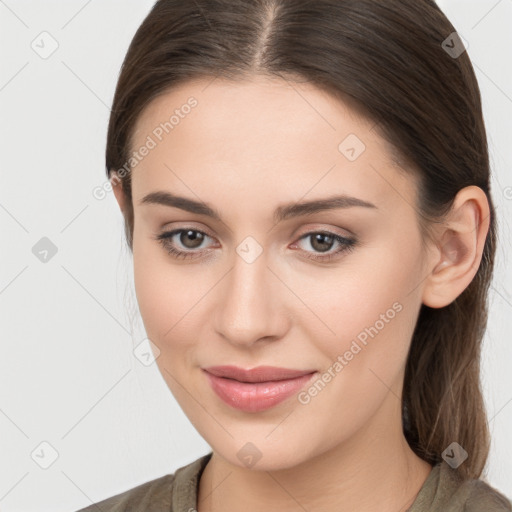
(258, 374)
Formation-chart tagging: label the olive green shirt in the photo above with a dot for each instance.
(442, 491)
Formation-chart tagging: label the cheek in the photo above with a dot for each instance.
(160, 292)
(366, 308)
(163, 296)
(372, 313)
(171, 299)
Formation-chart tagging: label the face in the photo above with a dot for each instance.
(335, 291)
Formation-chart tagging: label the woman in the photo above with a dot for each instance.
(305, 186)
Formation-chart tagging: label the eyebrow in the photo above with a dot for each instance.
(281, 213)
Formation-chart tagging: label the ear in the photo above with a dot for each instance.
(117, 187)
(460, 242)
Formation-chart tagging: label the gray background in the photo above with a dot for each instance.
(68, 326)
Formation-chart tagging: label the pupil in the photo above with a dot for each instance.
(194, 236)
(322, 239)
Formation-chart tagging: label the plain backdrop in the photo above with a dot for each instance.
(73, 397)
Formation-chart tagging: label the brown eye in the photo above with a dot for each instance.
(181, 243)
(322, 242)
(191, 239)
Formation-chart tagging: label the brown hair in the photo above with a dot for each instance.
(388, 60)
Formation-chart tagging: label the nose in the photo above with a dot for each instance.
(251, 304)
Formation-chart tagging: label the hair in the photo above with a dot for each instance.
(387, 60)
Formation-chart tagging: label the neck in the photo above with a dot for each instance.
(374, 471)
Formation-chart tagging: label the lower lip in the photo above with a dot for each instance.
(257, 396)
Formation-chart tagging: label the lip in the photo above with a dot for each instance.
(258, 374)
(257, 389)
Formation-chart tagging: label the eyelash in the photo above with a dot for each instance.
(347, 244)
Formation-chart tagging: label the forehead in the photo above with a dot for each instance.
(260, 109)
(268, 135)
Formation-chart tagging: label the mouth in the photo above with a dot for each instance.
(258, 374)
(258, 389)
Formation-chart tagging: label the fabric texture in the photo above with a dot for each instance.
(442, 491)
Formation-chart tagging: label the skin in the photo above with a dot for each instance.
(245, 149)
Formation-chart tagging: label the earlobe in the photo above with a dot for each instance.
(460, 248)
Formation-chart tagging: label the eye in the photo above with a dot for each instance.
(323, 241)
(188, 238)
(191, 240)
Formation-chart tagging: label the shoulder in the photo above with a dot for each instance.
(480, 496)
(473, 495)
(446, 490)
(150, 496)
(168, 492)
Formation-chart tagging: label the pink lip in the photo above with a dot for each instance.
(257, 389)
(258, 374)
